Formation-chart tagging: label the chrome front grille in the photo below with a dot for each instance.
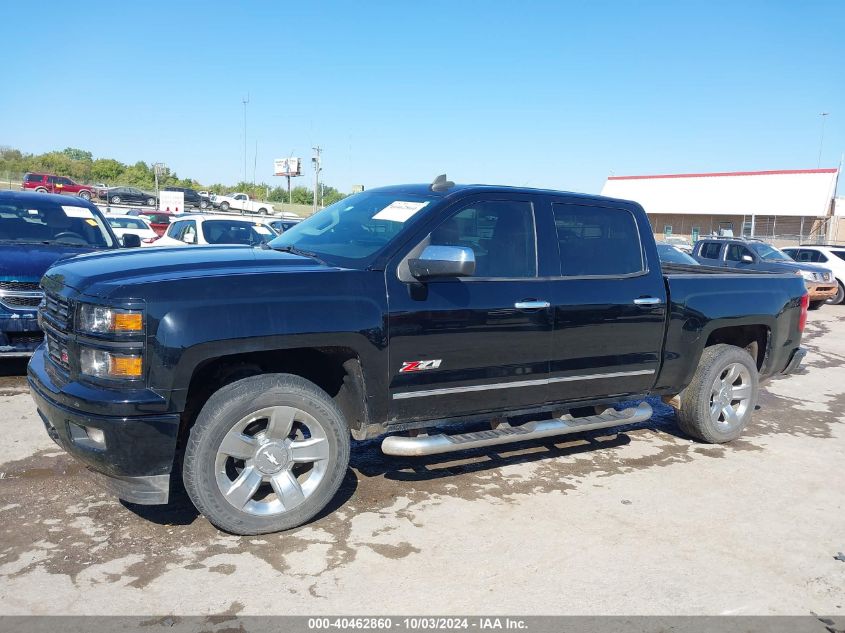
(20, 295)
(57, 349)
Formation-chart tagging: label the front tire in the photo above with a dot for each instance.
(718, 403)
(151, 202)
(839, 297)
(224, 206)
(115, 200)
(267, 453)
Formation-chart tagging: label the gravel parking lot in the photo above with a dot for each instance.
(636, 521)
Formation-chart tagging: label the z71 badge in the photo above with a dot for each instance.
(419, 365)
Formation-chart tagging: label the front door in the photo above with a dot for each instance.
(477, 343)
(609, 304)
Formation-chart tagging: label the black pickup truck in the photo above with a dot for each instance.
(245, 371)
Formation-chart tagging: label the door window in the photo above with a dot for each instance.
(597, 241)
(189, 236)
(736, 252)
(500, 233)
(710, 250)
(176, 229)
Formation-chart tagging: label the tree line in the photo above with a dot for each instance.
(80, 165)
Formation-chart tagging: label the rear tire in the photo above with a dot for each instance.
(718, 403)
(115, 200)
(40, 190)
(224, 206)
(85, 195)
(256, 445)
(815, 305)
(151, 202)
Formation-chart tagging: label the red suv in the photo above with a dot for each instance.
(49, 183)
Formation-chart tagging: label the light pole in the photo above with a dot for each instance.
(317, 168)
(245, 101)
(823, 115)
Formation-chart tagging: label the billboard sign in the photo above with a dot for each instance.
(287, 167)
(172, 201)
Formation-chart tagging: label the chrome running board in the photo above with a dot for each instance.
(504, 434)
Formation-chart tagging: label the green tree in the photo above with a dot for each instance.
(301, 195)
(78, 154)
(107, 170)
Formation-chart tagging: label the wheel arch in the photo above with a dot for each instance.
(337, 370)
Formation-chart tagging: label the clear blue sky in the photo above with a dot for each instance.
(550, 94)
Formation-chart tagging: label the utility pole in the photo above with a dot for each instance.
(245, 100)
(823, 115)
(317, 169)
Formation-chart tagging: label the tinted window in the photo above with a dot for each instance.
(500, 233)
(671, 255)
(45, 222)
(735, 252)
(158, 218)
(235, 232)
(839, 254)
(127, 223)
(710, 250)
(597, 241)
(175, 229)
(33, 178)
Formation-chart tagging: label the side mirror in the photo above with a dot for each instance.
(189, 238)
(437, 262)
(747, 259)
(130, 240)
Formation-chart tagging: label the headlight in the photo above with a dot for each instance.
(101, 363)
(102, 320)
(808, 276)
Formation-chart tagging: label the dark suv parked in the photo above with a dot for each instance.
(192, 198)
(751, 254)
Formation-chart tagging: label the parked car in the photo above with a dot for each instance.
(215, 229)
(671, 254)
(35, 231)
(129, 195)
(124, 224)
(191, 197)
(679, 243)
(158, 220)
(241, 202)
(50, 183)
(401, 308)
(829, 256)
(751, 254)
(280, 226)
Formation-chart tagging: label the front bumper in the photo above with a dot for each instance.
(19, 335)
(134, 456)
(821, 291)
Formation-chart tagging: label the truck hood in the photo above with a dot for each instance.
(816, 268)
(28, 262)
(105, 274)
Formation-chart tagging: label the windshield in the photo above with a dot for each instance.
(671, 255)
(236, 232)
(769, 252)
(352, 231)
(39, 222)
(128, 223)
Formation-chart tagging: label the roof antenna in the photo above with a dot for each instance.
(441, 184)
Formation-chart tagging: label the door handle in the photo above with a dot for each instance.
(531, 305)
(648, 301)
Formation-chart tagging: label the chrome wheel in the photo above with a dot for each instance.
(730, 396)
(272, 460)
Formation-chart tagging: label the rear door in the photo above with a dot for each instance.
(609, 302)
(474, 344)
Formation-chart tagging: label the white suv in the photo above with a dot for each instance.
(832, 257)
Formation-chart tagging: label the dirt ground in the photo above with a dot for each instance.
(636, 521)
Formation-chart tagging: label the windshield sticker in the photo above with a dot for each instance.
(32, 211)
(399, 211)
(91, 221)
(263, 230)
(77, 212)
